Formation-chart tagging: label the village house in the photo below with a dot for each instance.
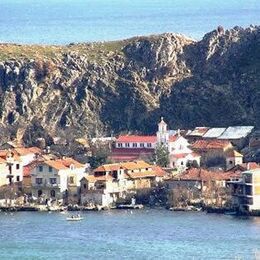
(246, 191)
(211, 187)
(11, 171)
(238, 135)
(110, 182)
(134, 147)
(57, 179)
(212, 149)
(233, 158)
(239, 168)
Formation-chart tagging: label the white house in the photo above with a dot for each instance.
(55, 179)
(11, 170)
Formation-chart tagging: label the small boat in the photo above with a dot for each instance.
(74, 218)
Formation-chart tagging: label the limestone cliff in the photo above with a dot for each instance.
(88, 89)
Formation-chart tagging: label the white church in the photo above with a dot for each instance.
(180, 155)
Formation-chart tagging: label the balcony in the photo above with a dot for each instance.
(53, 185)
(46, 185)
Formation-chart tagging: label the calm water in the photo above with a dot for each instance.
(145, 234)
(64, 21)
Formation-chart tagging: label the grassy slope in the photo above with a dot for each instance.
(93, 51)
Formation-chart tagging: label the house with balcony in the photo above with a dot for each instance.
(110, 182)
(11, 170)
(57, 179)
(246, 191)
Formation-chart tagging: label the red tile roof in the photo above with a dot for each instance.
(63, 164)
(211, 144)
(179, 155)
(205, 175)
(129, 154)
(27, 150)
(124, 165)
(136, 139)
(244, 167)
(159, 171)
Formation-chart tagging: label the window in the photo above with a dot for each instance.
(53, 193)
(141, 145)
(39, 193)
(149, 145)
(53, 180)
(50, 169)
(85, 186)
(17, 166)
(119, 145)
(182, 163)
(127, 145)
(40, 168)
(230, 162)
(38, 180)
(18, 177)
(71, 179)
(134, 144)
(248, 178)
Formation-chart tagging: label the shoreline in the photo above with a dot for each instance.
(207, 210)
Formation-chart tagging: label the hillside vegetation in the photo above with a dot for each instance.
(99, 88)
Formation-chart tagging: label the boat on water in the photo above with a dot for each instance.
(74, 218)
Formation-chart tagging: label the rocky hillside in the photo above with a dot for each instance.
(97, 88)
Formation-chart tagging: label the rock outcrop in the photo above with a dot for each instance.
(89, 89)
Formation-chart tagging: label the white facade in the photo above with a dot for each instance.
(52, 182)
(180, 162)
(133, 145)
(233, 161)
(179, 146)
(27, 159)
(12, 167)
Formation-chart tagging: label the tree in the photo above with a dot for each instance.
(161, 155)
(100, 154)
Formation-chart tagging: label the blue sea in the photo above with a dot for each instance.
(140, 234)
(66, 21)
